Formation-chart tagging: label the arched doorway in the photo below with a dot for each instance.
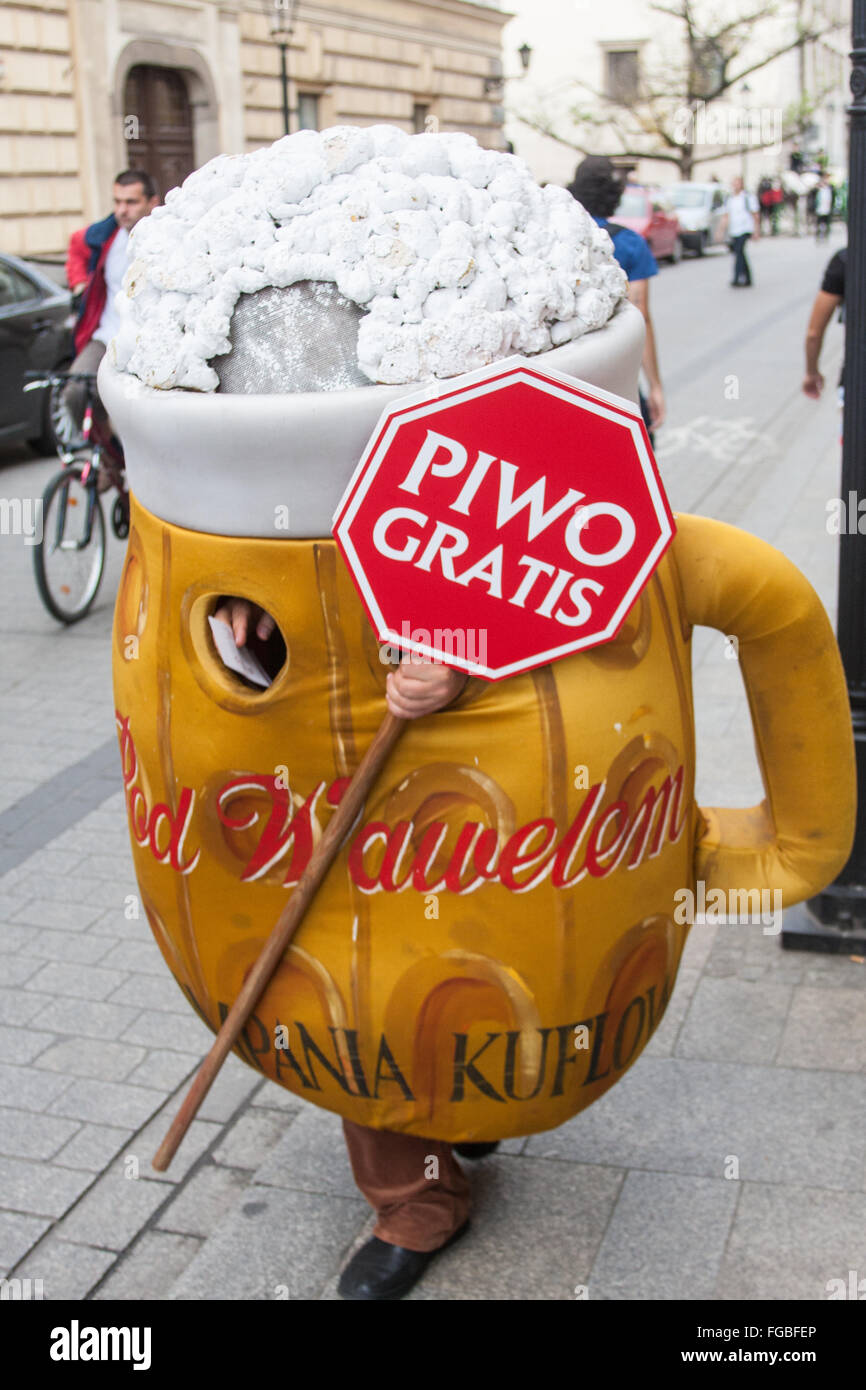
(158, 128)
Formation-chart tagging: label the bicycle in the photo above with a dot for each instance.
(69, 557)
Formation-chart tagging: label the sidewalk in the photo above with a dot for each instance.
(730, 1162)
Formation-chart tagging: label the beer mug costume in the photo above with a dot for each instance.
(499, 936)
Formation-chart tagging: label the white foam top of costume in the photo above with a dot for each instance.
(483, 265)
(454, 252)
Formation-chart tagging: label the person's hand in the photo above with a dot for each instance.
(657, 408)
(419, 687)
(240, 615)
(813, 385)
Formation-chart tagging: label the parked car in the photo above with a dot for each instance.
(35, 335)
(650, 212)
(700, 208)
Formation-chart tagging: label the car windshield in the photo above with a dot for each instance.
(688, 197)
(631, 204)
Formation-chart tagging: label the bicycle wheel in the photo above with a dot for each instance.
(70, 557)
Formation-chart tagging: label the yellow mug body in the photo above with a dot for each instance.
(495, 943)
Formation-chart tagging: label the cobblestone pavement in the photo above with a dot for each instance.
(760, 1057)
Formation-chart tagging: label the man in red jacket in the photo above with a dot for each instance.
(135, 196)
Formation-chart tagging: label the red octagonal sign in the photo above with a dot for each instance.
(506, 522)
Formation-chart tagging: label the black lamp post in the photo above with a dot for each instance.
(281, 15)
(835, 920)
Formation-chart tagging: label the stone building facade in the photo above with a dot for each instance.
(88, 87)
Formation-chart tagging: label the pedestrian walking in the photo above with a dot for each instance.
(597, 187)
(742, 220)
(823, 208)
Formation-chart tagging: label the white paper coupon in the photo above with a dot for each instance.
(237, 658)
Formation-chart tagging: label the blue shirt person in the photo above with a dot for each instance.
(598, 188)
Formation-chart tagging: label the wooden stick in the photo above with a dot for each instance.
(287, 924)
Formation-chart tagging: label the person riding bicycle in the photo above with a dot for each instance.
(135, 196)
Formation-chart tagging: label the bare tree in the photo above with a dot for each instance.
(662, 118)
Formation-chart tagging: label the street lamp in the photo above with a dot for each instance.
(281, 15)
(836, 919)
(524, 53)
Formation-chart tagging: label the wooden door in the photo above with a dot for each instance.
(158, 125)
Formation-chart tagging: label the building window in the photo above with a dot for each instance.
(622, 75)
(420, 112)
(308, 111)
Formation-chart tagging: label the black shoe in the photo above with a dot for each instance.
(476, 1150)
(383, 1271)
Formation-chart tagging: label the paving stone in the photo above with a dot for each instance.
(164, 1071)
(93, 1147)
(737, 1019)
(14, 939)
(114, 926)
(54, 863)
(155, 1261)
(78, 981)
(833, 972)
(14, 970)
(826, 1031)
(112, 1213)
(104, 1061)
(152, 992)
(235, 1083)
(543, 1250)
(73, 888)
(18, 1007)
(107, 866)
(663, 1040)
(679, 1116)
(25, 1088)
(63, 914)
(92, 1019)
(17, 1234)
(275, 1241)
(665, 1240)
(202, 1202)
(178, 1032)
(26, 1135)
(310, 1157)
(67, 1271)
(789, 1242)
(699, 944)
(76, 947)
(111, 894)
(138, 956)
(10, 901)
(250, 1139)
(198, 1138)
(106, 1102)
(20, 1045)
(274, 1097)
(40, 1189)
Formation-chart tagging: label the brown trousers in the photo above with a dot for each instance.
(420, 1204)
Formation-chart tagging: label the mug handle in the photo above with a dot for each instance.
(800, 836)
